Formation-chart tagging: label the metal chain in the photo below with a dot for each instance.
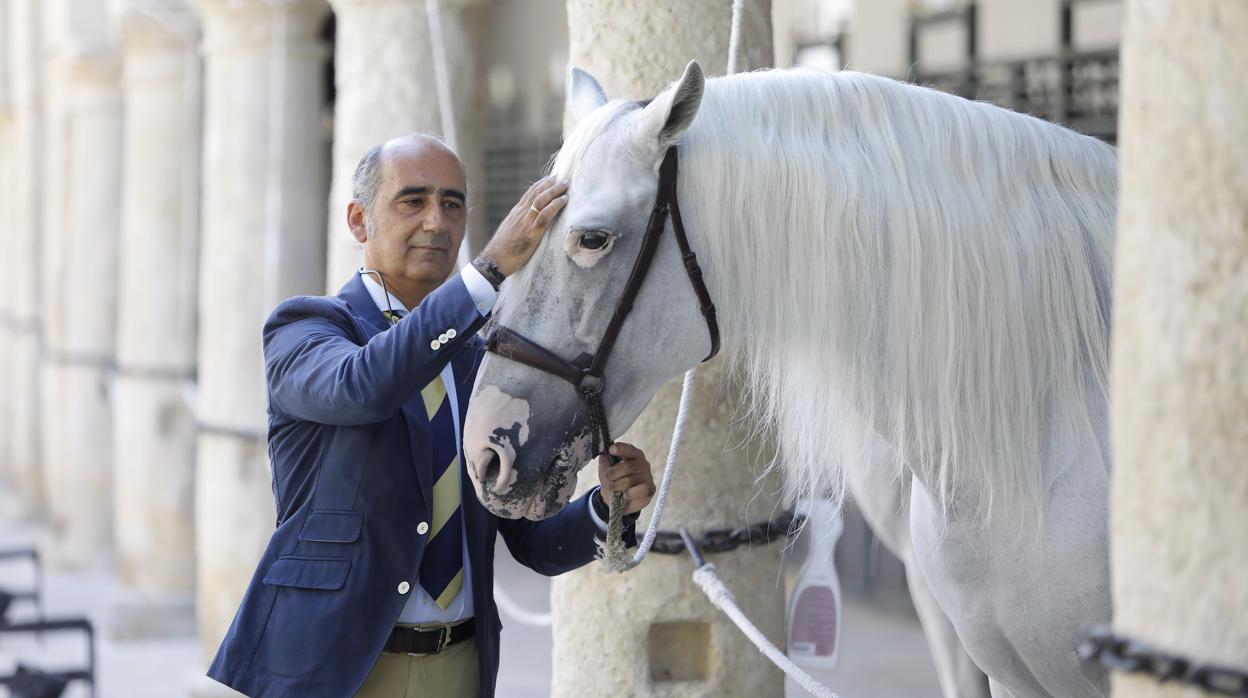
(720, 540)
(1129, 656)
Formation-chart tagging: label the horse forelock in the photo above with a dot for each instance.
(904, 265)
(563, 164)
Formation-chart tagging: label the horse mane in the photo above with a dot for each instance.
(905, 264)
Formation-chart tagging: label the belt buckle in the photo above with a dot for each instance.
(444, 639)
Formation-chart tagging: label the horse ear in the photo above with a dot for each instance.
(586, 94)
(667, 117)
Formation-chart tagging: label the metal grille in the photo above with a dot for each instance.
(1076, 88)
(516, 157)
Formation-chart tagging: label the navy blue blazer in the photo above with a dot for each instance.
(352, 480)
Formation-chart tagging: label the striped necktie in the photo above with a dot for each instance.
(442, 566)
(393, 316)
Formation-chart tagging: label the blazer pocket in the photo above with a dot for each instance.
(301, 572)
(332, 527)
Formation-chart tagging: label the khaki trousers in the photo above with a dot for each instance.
(451, 673)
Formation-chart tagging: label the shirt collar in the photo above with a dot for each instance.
(378, 294)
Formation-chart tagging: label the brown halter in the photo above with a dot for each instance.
(586, 372)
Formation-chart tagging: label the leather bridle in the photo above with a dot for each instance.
(587, 372)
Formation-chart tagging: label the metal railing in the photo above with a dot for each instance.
(27, 681)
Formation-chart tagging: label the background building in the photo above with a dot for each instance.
(170, 170)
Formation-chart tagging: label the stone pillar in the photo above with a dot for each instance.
(7, 234)
(153, 427)
(1180, 381)
(671, 641)
(265, 179)
(78, 291)
(20, 261)
(388, 93)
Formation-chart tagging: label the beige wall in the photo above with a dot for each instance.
(526, 55)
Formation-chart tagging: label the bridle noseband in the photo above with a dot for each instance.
(586, 372)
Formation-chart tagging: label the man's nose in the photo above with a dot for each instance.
(435, 219)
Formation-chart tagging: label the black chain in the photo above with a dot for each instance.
(720, 540)
(1129, 656)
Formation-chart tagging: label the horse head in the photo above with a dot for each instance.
(528, 431)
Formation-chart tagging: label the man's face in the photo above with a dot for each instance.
(419, 214)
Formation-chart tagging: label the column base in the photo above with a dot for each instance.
(59, 554)
(135, 615)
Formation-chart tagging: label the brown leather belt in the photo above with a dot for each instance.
(410, 640)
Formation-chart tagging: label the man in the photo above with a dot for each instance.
(378, 580)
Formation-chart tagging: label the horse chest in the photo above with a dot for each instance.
(1020, 602)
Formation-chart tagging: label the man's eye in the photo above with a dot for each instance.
(594, 239)
(453, 204)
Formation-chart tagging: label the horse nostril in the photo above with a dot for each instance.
(497, 472)
(488, 471)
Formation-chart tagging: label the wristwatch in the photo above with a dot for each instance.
(490, 271)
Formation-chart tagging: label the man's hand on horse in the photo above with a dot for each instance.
(631, 476)
(521, 231)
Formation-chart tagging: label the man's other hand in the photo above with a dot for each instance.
(521, 231)
(631, 476)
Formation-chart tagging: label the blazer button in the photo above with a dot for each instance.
(422, 528)
(444, 338)
(404, 587)
(435, 345)
(451, 333)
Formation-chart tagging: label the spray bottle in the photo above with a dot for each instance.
(814, 622)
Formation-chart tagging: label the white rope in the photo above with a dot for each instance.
(734, 38)
(446, 108)
(706, 578)
(612, 556)
(518, 613)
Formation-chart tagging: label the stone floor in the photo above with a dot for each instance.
(883, 651)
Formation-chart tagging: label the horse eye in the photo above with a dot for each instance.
(594, 239)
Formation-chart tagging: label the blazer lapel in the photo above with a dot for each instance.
(413, 411)
(361, 303)
(418, 435)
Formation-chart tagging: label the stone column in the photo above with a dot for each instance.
(153, 427)
(265, 179)
(21, 252)
(381, 94)
(7, 233)
(1180, 383)
(78, 291)
(671, 641)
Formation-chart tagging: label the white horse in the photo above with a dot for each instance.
(916, 287)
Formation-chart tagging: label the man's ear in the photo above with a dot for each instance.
(356, 221)
(586, 94)
(667, 117)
